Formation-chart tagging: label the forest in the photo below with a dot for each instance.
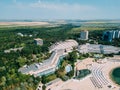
(10, 78)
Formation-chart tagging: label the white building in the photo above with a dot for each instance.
(38, 41)
(117, 34)
(67, 45)
(30, 35)
(46, 67)
(50, 65)
(13, 49)
(113, 34)
(94, 48)
(20, 34)
(84, 35)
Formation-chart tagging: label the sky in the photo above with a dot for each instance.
(60, 9)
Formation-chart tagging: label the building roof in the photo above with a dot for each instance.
(36, 68)
(51, 63)
(13, 49)
(68, 68)
(97, 48)
(63, 45)
(37, 39)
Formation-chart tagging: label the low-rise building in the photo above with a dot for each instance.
(13, 49)
(98, 48)
(20, 34)
(46, 67)
(38, 41)
(67, 45)
(50, 65)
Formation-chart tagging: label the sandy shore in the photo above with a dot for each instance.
(108, 69)
(83, 64)
(86, 83)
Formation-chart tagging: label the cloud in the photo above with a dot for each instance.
(62, 6)
(65, 10)
(46, 9)
(46, 4)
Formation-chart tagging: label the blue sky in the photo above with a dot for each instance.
(59, 9)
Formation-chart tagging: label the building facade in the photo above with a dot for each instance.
(50, 65)
(117, 34)
(110, 35)
(84, 35)
(38, 41)
(98, 48)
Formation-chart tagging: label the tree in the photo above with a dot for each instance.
(60, 72)
(21, 61)
(44, 79)
(43, 87)
(72, 56)
(70, 74)
(3, 81)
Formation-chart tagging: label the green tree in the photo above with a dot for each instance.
(70, 74)
(44, 79)
(43, 87)
(3, 81)
(72, 56)
(21, 61)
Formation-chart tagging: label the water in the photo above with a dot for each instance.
(116, 75)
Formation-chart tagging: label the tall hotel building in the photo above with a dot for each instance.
(110, 35)
(117, 34)
(84, 35)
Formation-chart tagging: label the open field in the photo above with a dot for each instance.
(22, 23)
(103, 21)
